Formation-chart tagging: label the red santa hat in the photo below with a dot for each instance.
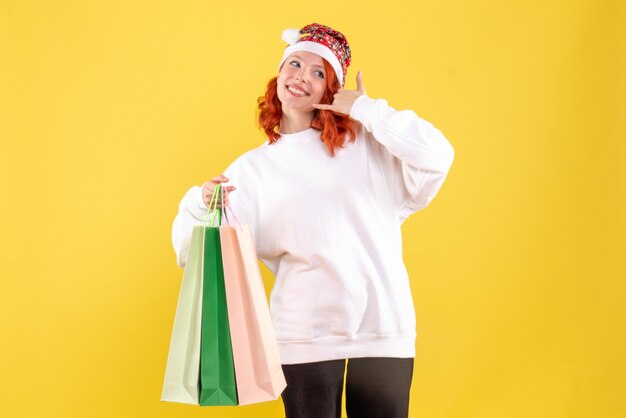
(323, 41)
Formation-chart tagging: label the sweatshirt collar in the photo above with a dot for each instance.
(307, 134)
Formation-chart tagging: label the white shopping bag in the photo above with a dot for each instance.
(183, 362)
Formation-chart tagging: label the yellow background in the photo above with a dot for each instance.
(111, 110)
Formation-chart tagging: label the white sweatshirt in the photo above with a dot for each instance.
(329, 230)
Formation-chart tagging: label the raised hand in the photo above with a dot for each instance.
(344, 99)
(209, 186)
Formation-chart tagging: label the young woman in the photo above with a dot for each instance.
(325, 197)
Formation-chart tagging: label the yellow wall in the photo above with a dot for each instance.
(112, 109)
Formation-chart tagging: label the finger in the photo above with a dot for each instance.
(219, 179)
(324, 106)
(219, 204)
(224, 202)
(207, 195)
(359, 82)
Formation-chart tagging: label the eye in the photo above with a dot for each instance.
(294, 64)
(320, 74)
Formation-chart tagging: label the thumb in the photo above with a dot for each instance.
(359, 82)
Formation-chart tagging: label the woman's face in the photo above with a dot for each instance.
(301, 81)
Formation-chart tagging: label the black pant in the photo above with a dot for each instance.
(375, 387)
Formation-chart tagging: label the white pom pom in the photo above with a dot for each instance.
(291, 36)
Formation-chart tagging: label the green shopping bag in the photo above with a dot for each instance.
(217, 371)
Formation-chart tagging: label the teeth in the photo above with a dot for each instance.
(296, 90)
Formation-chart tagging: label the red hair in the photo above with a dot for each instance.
(336, 129)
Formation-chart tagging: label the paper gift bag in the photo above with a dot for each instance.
(222, 328)
(217, 376)
(182, 370)
(258, 369)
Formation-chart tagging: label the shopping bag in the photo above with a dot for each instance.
(217, 375)
(182, 370)
(258, 370)
(223, 349)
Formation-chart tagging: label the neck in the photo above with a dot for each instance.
(293, 122)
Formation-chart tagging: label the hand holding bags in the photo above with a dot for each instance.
(223, 291)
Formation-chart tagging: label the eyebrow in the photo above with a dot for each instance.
(302, 59)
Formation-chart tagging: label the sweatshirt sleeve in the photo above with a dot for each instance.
(191, 212)
(422, 154)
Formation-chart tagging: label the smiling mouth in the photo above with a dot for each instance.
(297, 91)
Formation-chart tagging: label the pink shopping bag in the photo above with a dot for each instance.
(258, 370)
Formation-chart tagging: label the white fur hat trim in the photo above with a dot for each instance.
(318, 49)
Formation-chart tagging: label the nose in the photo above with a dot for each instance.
(300, 77)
